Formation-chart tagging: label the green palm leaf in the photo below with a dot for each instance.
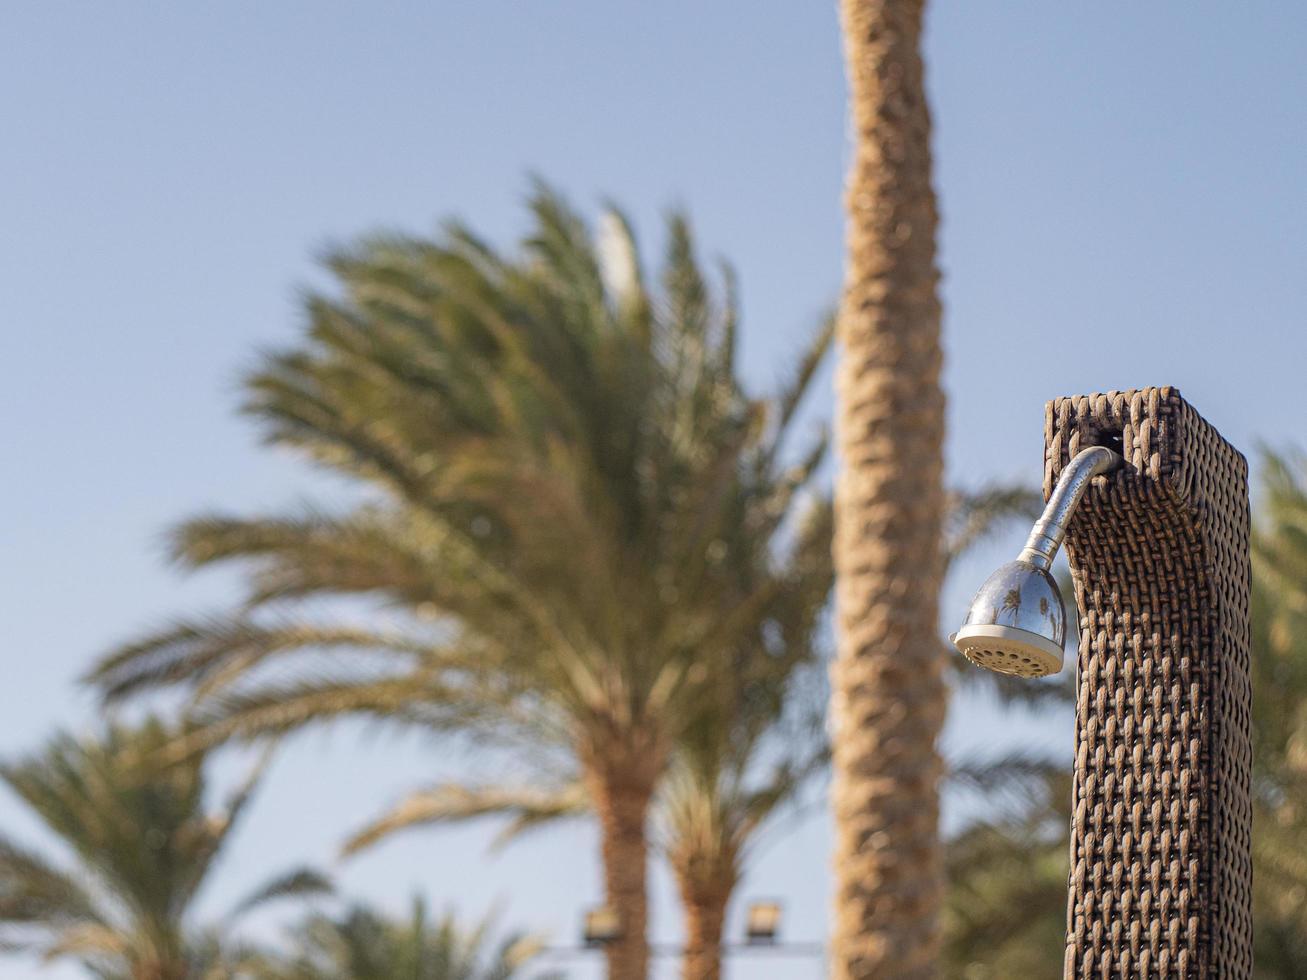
(526, 806)
(144, 843)
(363, 944)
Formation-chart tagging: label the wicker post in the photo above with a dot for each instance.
(1161, 872)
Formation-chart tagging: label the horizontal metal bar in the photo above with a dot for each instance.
(727, 949)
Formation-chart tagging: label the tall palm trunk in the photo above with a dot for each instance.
(621, 789)
(704, 898)
(888, 699)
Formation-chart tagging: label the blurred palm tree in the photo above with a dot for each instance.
(748, 752)
(363, 944)
(748, 755)
(1279, 606)
(1005, 908)
(144, 845)
(572, 512)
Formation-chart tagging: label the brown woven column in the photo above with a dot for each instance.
(1161, 825)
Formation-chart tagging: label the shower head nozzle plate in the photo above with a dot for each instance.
(1008, 650)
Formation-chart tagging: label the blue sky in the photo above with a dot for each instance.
(1121, 190)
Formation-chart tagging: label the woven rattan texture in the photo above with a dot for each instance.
(1161, 822)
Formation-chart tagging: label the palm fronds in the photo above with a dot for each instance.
(363, 944)
(144, 844)
(525, 806)
(577, 519)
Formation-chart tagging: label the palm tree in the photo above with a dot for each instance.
(363, 944)
(144, 845)
(562, 479)
(748, 761)
(1004, 913)
(1279, 676)
(888, 699)
(715, 803)
(748, 753)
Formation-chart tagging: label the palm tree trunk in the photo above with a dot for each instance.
(159, 970)
(705, 918)
(621, 800)
(888, 698)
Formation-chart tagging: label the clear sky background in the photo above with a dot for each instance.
(1122, 197)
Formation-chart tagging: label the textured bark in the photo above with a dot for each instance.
(705, 893)
(888, 693)
(705, 917)
(621, 797)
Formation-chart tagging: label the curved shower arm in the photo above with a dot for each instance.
(1050, 530)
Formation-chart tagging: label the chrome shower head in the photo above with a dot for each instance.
(1017, 622)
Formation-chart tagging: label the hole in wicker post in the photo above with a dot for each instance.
(1110, 438)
